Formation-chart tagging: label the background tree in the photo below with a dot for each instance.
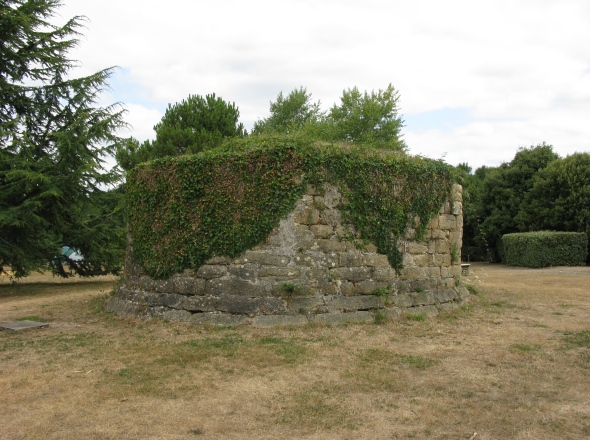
(370, 119)
(494, 199)
(504, 190)
(195, 124)
(560, 197)
(53, 146)
(289, 115)
(365, 119)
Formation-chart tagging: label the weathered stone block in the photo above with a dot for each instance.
(413, 299)
(393, 312)
(448, 282)
(251, 306)
(217, 319)
(369, 287)
(350, 259)
(456, 237)
(185, 286)
(321, 259)
(318, 274)
(438, 234)
(266, 258)
(209, 272)
(351, 273)
(332, 196)
(351, 303)
(247, 272)
(278, 273)
(386, 274)
(447, 221)
(305, 305)
(307, 216)
(234, 287)
(432, 272)
(433, 224)
(442, 260)
(360, 245)
(331, 246)
(327, 288)
(172, 300)
(445, 295)
(375, 260)
(442, 247)
(146, 283)
(408, 260)
(331, 217)
(200, 303)
(151, 299)
(302, 229)
(304, 260)
(322, 231)
(348, 288)
(423, 260)
(122, 307)
(415, 248)
(455, 271)
(176, 315)
(412, 273)
(463, 292)
(344, 318)
(164, 286)
(287, 290)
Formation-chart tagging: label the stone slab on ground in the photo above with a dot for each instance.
(22, 325)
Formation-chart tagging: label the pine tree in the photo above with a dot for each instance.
(53, 144)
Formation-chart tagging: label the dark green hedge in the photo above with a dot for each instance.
(545, 248)
(185, 210)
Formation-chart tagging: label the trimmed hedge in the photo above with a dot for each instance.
(545, 248)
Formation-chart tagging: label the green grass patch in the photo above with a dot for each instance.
(577, 339)
(415, 317)
(37, 289)
(32, 318)
(526, 348)
(314, 409)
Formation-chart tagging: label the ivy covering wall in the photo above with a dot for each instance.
(185, 210)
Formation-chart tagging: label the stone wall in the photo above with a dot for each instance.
(312, 268)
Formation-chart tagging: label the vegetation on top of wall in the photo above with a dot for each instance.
(185, 210)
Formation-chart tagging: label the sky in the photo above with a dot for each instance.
(477, 79)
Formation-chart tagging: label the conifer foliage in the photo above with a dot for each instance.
(53, 145)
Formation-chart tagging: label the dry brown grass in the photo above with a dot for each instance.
(513, 364)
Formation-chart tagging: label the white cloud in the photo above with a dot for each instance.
(521, 69)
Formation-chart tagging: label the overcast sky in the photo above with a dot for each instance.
(477, 78)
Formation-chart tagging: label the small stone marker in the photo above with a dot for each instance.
(465, 269)
(22, 325)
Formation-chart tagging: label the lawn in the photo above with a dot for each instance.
(513, 363)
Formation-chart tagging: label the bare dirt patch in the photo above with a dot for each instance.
(511, 364)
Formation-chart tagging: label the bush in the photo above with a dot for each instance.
(545, 248)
